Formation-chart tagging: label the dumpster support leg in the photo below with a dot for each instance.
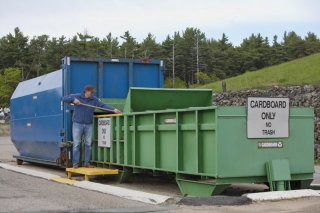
(124, 176)
(199, 188)
(278, 174)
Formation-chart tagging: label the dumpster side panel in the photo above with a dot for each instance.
(141, 99)
(181, 141)
(112, 78)
(167, 142)
(144, 141)
(81, 74)
(114, 75)
(36, 119)
(147, 75)
(241, 157)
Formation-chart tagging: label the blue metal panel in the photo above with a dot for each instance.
(35, 130)
(146, 75)
(41, 139)
(19, 108)
(81, 74)
(115, 80)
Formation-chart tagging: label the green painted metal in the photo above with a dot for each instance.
(141, 99)
(124, 176)
(203, 187)
(117, 103)
(192, 188)
(297, 148)
(179, 132)
(278, 173)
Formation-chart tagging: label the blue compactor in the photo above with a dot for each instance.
(41, 123)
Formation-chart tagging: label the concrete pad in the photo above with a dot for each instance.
(30, 172)
(123, 192)
(282, 195)
(130, 194)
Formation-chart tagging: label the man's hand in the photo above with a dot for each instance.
(76, 101)
(116, 111)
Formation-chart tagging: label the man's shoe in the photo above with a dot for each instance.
(75, 166)
(88, 165)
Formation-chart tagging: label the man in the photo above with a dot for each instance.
(82, 121)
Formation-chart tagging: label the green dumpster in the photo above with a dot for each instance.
(206, 147)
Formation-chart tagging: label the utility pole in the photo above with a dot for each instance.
(125, 52)
(22, 75)
(111, 49)
(197, 59)
(134, 49)
(39, 64)
(173, 72)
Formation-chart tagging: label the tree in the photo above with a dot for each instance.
(256, 52)
(149, 48)
(109, 47)
(278, 53)
(129, 46)
(37, 48)
(294, 45)
(56, 50)
(14, 52)
(312, 43)
(191, 47)
(9, 79)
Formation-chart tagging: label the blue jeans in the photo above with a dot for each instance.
(77, 131)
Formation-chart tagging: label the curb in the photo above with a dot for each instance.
(31, 172)
(282, 195)
(129, 194)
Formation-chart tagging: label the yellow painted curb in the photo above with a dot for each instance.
(93, 171)
(64, 180)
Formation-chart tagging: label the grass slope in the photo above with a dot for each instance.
(297, 72)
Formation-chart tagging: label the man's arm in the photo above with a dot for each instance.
(99, 103)
(71, 99)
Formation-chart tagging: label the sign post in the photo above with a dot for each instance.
(267, 117)
(104, 132)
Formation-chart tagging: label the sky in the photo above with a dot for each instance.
(237, 18)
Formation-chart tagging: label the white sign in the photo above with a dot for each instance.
(104, 132)
(267, 117)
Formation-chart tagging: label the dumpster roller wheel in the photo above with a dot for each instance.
(19, 161)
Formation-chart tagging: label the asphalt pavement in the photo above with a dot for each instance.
(22, 193)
